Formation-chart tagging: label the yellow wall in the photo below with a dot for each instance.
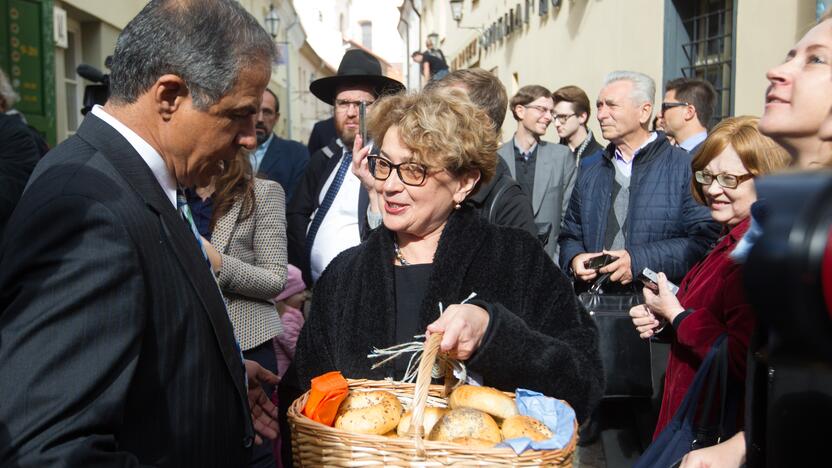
(117, 13)
(585, 39)
(576, 45)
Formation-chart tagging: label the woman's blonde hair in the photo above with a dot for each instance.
(442, 128)
(759, 154)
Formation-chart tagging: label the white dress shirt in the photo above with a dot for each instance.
(150, 156)
(339, 229)
(626, 167)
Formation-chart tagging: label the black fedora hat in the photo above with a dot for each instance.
(356, 68)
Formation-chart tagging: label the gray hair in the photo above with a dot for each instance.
(8, 97)
(205, 42)
(644, 88)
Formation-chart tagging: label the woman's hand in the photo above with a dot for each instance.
(463, 326)
(645, 322)
(214, 255)
(360, 164)
(729, 454)
(664, 304)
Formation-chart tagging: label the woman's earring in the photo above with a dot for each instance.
(457, 206)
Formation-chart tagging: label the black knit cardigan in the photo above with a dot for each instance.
(537, 337)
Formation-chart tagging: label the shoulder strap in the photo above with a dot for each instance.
(491, 208)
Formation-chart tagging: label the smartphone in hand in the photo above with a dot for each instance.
(651, 280)
(596, 263)
(362, 123)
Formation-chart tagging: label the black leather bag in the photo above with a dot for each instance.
(626, 357)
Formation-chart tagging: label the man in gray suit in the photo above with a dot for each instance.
(544, 170)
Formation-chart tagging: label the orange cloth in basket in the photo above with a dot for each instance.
(328, 391)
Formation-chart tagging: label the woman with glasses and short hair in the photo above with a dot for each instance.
(710, 300)
(522, 329)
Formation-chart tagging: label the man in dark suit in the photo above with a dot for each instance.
(686, 111)
(282, 161)
(323, 132)
(115, 345)
(328, 213)
(18, 155)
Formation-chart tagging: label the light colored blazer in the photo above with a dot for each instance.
(554, 178)
(253, 263)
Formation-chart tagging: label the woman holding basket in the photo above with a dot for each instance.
(524, 328)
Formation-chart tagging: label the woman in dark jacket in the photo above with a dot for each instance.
(711, 299)
(523, 329)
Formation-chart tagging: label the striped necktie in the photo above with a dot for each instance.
(185, 212)
(346, 159)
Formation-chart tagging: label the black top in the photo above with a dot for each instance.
(411, 284)
(435, 63)
(524, 169)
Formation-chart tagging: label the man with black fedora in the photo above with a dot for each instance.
(328, 213)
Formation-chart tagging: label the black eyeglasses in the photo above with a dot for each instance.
(343, 105)
(410, 173)
(671, 105)
(724, 179)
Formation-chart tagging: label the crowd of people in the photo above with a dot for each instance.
(174, 274)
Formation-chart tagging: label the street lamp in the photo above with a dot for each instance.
(456, 14)
(456, 10)
(272, 21)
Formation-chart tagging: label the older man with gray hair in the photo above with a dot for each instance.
(634, 204)
(116, 348)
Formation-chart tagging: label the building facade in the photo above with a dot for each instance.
(42, 42)
(555, 43)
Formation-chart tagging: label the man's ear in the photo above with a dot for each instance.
(519, 111)
(169, 92)
(690, 113)
(646, 113)
(582, 118)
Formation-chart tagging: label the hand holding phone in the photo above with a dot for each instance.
(651, 280)
(596, 263)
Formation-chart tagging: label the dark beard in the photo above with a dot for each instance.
(261, 137)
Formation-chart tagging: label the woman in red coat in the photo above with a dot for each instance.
(710, 300)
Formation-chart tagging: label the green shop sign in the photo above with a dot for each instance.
(27, 57)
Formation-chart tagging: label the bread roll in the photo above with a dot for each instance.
(472, 442)
(486, 399)
(465, 422)
(432, 414)
(376, 412)
(525, 426)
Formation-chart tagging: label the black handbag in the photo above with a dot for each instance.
(626, 357)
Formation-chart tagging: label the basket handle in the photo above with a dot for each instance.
(420, 397)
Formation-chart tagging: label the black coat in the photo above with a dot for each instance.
(116, 347)
(18, 155)
(502, 202)
(537, 337)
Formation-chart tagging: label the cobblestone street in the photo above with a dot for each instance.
(591, 456)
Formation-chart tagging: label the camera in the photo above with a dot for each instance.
(94, 93)
(651, 280)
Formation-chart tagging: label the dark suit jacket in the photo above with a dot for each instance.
(284, 162)
(116, 349)
(18, 155)
(322, 134)
(306, 201)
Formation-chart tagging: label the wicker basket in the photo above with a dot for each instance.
(315, 445)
